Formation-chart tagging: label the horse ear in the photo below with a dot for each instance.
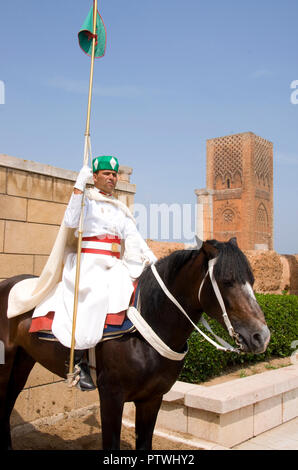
(199, 242)
(233, 240)
(209, 250)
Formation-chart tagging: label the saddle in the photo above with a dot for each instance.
(112, 330)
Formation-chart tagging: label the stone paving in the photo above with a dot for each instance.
(283, 437)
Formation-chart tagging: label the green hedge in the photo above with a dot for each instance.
(204, 361)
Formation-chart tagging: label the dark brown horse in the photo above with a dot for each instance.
(129, 369)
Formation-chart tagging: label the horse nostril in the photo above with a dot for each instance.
(257, 339)
(260, 340)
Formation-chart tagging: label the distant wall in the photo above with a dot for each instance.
(33, 199)
(273, 273)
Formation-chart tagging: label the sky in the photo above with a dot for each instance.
(175, 74)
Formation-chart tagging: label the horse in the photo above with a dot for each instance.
(129, 369)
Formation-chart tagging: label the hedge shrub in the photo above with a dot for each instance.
(204, 361)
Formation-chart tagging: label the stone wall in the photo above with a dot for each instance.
(273, 273)
(33, 198)
(46, 395)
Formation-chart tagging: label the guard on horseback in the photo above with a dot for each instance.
(106, 277)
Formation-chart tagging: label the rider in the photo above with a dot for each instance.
(106, 281)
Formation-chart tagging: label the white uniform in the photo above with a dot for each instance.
(105, 281)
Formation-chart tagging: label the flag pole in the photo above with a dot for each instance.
(71, 375)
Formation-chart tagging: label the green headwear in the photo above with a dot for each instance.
(105, 162)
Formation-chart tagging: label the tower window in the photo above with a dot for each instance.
(228, 183)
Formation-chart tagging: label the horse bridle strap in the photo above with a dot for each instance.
(228, 324)
(223, 346)
(152, 338)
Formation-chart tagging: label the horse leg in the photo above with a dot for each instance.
(111, 409)
(20, 366)
(5, 371)
(146, 415)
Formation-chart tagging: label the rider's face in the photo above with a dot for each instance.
(105, 180)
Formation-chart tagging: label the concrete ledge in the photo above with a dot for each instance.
(224, 398)
(232, 412)
(49, 170)
(35, 167)
(179, 391)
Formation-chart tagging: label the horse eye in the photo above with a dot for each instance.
(228, 283)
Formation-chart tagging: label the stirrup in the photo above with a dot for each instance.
(85, 383)
(73, 378)
(81, 376)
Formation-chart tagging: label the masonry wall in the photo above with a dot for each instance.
(274, 273)
(33, 199)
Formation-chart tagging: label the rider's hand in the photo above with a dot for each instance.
(150, 257)
(83, 177)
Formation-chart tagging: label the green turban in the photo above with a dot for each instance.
(105, 162)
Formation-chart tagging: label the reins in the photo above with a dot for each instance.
(223, 346)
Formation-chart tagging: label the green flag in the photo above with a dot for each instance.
(86, 35)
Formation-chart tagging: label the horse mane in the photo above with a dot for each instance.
(231, 266)
(170, 265)
(151, 294)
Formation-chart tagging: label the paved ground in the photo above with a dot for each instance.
(283, 437)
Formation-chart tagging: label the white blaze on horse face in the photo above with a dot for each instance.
(262, 330)
(249, 290)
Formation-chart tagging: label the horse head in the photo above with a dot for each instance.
(234, 277)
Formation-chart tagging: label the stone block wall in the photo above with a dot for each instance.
(33, 199)
(274, 273)
(46, 395)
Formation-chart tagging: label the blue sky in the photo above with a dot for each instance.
(175, 74)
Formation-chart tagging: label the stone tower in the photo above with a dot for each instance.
(238, 199)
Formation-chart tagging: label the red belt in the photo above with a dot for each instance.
(111, 246)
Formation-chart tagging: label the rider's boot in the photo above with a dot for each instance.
(85, 383)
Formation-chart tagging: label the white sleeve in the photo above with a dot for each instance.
(73, 211)
(133, 238)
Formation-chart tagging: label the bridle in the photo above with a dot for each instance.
(232, 332)
(224, 346)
